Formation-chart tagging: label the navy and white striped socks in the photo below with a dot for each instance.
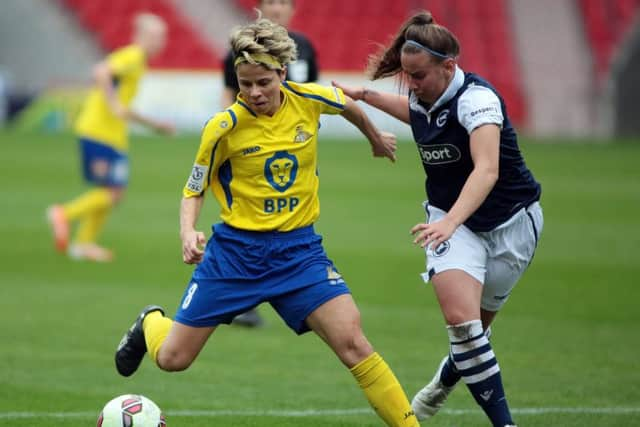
(477, 365)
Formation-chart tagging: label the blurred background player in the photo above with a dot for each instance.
(303, 70)
(103, 135)
(259, 158)
(483, 215)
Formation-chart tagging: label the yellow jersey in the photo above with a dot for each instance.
(263, 169)
(96, 120)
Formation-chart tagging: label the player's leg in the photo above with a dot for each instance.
(85, 246)
(430, 399)
(105, 168)
(171, 345)
(459, 296)
(464, 251)
(337, 322)
(177, 350)
(61, 216)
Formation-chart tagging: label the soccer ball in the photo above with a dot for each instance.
(131, 410)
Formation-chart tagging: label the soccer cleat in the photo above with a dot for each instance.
(249, 319)
(430, 399)
(132, 347)
(89, 252)
(59, 227)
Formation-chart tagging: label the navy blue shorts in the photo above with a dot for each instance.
(103, 165)
(242, 269)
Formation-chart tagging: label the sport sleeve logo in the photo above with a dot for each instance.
(197, 177)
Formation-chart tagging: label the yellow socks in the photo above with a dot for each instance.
(93, 200)
(91, 225)
(384, 392)
(156, 328)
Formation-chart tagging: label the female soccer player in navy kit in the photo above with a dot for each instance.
(259, 157)
(483, 215)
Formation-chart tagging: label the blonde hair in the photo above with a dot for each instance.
(263, 37)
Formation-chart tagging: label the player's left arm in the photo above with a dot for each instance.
(383, 144)
(157, 125)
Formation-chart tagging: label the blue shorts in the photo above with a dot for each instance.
(104, 165)
(242, 269)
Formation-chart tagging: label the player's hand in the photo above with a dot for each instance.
(433, 234)
(355, 93)
(192, 246)
(165, 128)
(120, 110)
(385, 146)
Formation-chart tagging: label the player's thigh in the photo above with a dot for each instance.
(464, 251)
(512, 251)
(185, 342)
(458, 294)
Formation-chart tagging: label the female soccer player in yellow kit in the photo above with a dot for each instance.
(102, 132)
(259, 157)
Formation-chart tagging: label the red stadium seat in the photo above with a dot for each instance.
(606, 23)
(111, 21)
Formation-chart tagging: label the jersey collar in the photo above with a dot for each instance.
(454, 86)
(456, 83)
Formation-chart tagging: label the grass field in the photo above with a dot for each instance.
(567, 341)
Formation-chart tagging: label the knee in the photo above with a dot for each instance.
(456, 317)
(173, 360)
(353, 346)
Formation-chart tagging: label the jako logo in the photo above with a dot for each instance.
(439, 154)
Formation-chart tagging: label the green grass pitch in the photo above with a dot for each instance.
(567, 341)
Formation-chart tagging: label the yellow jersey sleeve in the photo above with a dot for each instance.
(211, 154)
(127, 60)
(326, 99)
(96, 120)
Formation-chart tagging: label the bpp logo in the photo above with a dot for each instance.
(439, 154)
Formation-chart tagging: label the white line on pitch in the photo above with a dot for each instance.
(323, 412)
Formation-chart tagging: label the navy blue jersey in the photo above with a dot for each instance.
(443, 144)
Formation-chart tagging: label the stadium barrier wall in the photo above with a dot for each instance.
(189, 99)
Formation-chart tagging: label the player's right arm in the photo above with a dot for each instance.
(192, 240)
(207, 161)
(394, 105)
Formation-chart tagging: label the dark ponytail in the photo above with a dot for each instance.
(420, 28)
